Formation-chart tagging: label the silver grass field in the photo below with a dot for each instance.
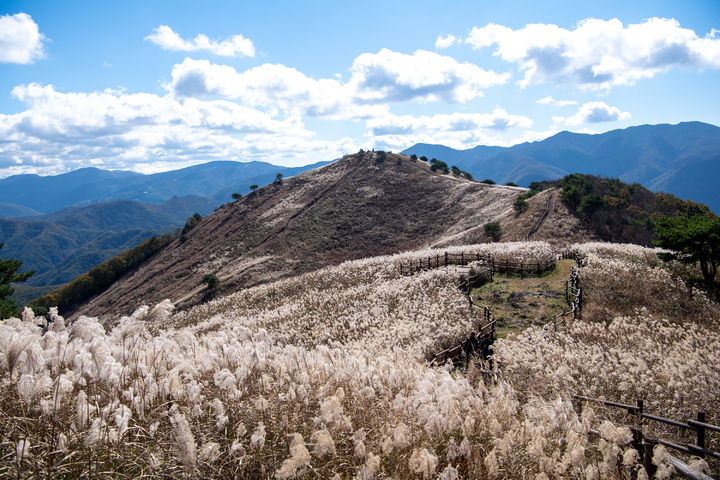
(325, 376)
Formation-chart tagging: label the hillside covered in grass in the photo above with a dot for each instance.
(325, 376)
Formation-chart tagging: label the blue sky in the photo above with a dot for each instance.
(154, 86)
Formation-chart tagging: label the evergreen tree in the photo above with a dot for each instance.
(8, 275)
(695, 239)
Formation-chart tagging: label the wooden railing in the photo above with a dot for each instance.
(573, 296)
(498, 266)
(438, 261)
(478, 280)
(644, 444)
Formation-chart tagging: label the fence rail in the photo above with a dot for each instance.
(438, 261)
(462, 259)
(645, 443)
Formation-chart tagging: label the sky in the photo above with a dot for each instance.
(154, 86)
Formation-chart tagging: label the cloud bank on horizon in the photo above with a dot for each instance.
(211, 110)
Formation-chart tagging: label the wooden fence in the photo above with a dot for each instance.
(478, 280)
(644, 444)
(573, 296)
(438, 261)
(498, 266)
(522, 268)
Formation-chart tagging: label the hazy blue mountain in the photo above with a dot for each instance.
(10, 210)
(88, 186)
(680, 159)
(62, 245)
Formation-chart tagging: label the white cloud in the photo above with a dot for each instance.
(426, 76)
(376, 80)
(20, 39)
(596, 112)
(557, 103)
(270, 85)
(445, 41)
(498, 120)
(599, 54)
(236, 45)
(141, 131)
(457, 130)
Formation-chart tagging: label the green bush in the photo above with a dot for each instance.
(211, 280)
(520, 204)
(488, 181)
(511, 184)
(493, 231)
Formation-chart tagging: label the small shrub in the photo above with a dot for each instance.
(511, 184)
(414, 157)
(493, 230)
(520, 204)
(211, 280)
(488, 181)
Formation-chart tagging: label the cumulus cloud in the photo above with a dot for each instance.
(499, 120)
(557, 103)
(599, 54)
(376, 80)
(140, 131)
(20, 39)
(457, 130)
(270, 85)
(596, 112)
(445, 41)
(236, 45)
(426, 76)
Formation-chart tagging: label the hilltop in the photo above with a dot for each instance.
(363, 205)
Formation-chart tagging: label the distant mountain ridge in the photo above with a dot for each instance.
(64, 244)
(682, 159)
(86, 186)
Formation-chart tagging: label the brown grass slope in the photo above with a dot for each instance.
(356, 207)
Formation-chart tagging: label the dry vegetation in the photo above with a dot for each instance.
(324, 376)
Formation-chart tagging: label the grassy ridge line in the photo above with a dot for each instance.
(100, 277)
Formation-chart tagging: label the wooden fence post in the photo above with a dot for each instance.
(648, 445)
(521, 269)
(701, 432)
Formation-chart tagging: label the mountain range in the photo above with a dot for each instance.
(682, 159)
(86, 186)
(64, 244)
